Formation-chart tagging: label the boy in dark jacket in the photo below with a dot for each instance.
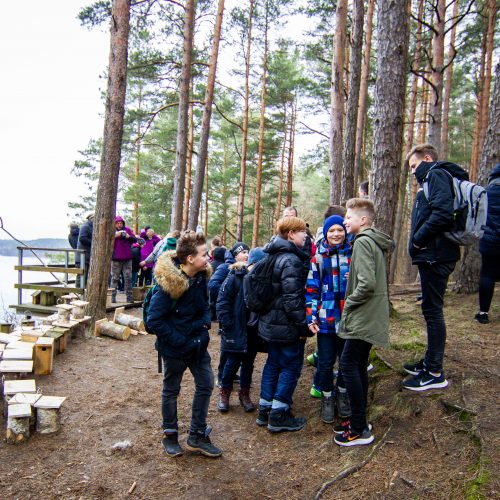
(239, 338)
(85, 244)
(365, 319)
(435, 255)
(284, 327)
(489, 247)
(179, 316)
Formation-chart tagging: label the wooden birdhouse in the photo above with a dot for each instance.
(44, 356)
(64, 312)
(78, 311)
(5, 327)
(18, 423)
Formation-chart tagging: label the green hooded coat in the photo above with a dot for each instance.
(366, 309)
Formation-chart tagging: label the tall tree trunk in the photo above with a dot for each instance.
(291, 152)
(137, 165)
(337, 101)
(205, 226)
(347, 189)
(244, 142)
(403, 199)
(182, 120)
(104, 227)
(436, 107)
(390, 89)
(279, 200)
(448, 81)
(468, 277)
(363, 91)
(189, 169)
(225, 197)
(258, 185)
(194, 209)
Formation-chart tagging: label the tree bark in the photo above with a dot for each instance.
(103, 233)
(182, 118)
(470, 267)
(258, 185)
(390, 89)
(279, 200)
(347, 187)
(137, 165)
(291, 151)
(189, 169)
(194, 210)
(448, 81)
(363, 91)
(436, 107)
(337, 102)
(244, 141)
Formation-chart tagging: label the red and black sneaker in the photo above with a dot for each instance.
(352, 438)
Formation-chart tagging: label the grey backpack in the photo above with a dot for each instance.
(470, 209)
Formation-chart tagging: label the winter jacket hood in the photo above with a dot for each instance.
(170, 277)
(219, 253)
(119, 218)
(366, 308)
(423, 169)
(228, 257)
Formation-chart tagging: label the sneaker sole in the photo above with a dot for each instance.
(356, 442)
(370, 427)
(271, 428)
(261, 423)
(203, 452)
(328, 421)
(439, 385)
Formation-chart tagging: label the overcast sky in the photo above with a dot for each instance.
(50, 107)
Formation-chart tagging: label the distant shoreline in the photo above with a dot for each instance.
(8, 248)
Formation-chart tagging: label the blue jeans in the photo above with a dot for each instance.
(233, 362)
(353, 365)
(330, 347)
(282, 371)
(433, 281)
(204, 384)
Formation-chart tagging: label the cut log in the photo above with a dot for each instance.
(48, 414)
(78, 311)
(109, 329)
(128, 320)
(18, 423)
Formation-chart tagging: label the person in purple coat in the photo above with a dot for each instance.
(150, 241)
(122, 258)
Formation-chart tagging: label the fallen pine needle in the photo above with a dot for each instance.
(132, 488)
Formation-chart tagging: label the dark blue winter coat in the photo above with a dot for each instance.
(432, 217)
(490, 242)
(219, 276)
(231, 310)
(178, 313)
(85, 239)
(286, 321)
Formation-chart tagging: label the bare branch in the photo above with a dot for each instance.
(226, 118)
(315, 131)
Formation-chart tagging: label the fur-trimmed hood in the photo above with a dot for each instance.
(238, 266)
(170, 277)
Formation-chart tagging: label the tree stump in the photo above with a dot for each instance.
(48, 414)
(121, 318)
(109, 329)
(18, 423)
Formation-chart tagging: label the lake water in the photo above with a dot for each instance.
(8, 277)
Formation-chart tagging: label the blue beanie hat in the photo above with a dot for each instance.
(255, 255)
(331, 221)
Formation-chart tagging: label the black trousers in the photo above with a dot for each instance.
(490, 272)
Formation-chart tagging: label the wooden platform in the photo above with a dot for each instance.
(39, 310)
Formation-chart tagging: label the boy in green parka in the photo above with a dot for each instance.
(365, 320)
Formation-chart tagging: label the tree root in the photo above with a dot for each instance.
(386, 363)
(354, 468)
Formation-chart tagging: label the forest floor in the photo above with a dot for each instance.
(437, 444)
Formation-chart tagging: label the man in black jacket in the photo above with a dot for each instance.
(85, 242)
(435, 256)
(179, 316)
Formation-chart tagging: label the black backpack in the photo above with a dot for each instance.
(258, 287)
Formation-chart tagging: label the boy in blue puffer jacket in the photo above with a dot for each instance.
(325, 293)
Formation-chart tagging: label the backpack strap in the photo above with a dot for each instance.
(425, 183)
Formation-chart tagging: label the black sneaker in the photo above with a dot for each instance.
(482, 318)
(425, 381)
(351, 438)
(283, 420)
(327, 409)
(171, 445)
(414, 368)
(345, 425)
(343, 404)
(263, 416)
(199, 441)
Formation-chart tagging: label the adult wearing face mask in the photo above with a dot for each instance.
(435, 256)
